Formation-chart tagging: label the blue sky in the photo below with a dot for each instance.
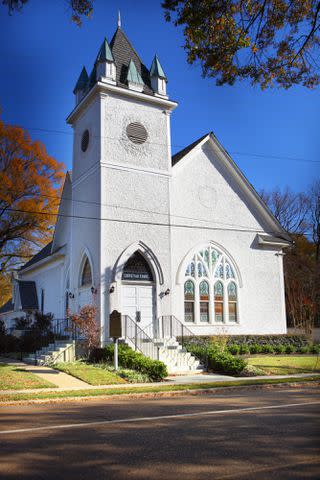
(42, 53)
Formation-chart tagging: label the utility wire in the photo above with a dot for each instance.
(88, 202)
(140, 222)
(276, 157)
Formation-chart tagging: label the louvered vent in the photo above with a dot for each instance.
(137, 133)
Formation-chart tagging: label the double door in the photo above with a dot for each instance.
(138, 303)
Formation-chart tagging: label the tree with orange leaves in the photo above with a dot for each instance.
(30, 183)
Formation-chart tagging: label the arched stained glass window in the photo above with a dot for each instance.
(189, 301)
(86, 277)
(204, 301)
(137, 269)
(218, 302)
(212, 269)
(232, 300)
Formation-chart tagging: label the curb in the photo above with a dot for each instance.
(169, 393)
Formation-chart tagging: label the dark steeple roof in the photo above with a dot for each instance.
(82, 81)
(123, 52)
(179, 155)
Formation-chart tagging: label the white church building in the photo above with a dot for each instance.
(151, 234)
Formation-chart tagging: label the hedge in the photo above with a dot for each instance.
(128, 358)
(217, 359)
(286, 339)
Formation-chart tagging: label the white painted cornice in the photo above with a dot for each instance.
(101, 88)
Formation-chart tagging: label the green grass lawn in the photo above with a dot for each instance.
(89, 373)
(12, 397)
(16, 378)
(285, 365)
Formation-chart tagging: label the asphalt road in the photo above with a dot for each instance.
(248, 434)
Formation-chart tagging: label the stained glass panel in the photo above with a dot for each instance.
(86, 278)
(232, 291)
(229, 271)
(218, 289)
(189, 290)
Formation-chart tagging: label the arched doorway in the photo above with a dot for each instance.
(138, 290)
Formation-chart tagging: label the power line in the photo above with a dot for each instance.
(141, 222)
(259, 155)
(87, 202)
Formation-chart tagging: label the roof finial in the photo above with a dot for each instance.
(119, 19)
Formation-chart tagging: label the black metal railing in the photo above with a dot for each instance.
(138, 338)
(168, 326)
(30, 341)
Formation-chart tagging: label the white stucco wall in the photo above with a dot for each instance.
(50, 277)
(203, 189)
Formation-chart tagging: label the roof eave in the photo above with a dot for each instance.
(51, 258)
(101, 87)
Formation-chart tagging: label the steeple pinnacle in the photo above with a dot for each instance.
(119, 19)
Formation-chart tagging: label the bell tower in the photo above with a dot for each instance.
(121, 166)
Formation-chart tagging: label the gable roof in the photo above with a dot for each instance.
(239, 175)
(45, 252)
(123, 52)
(179, 155)
(28, 295)
(7, 307)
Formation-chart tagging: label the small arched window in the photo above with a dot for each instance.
(86, 277)
(204, 301)
(189, 301)
(232, 299)
(218, 302)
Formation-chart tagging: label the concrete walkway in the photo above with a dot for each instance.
(60, 379)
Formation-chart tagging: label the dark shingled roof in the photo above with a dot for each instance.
(123, 52)
(45, 252)
(7, 307)
(28, 295)
(178, 156)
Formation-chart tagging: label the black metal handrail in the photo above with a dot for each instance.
(138, 338)
(168, 326)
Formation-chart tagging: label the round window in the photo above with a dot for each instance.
(137, 133)
(85, 140)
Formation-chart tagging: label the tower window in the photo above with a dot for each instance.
(85, 141)
(136, 132)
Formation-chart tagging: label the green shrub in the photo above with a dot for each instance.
(267, 348)
(224, 362)
(290, 349)
(234, 349)
(279, 349)
(305, 349)
(244, 349)
(315, 349)
(255, 348)
(128, 358)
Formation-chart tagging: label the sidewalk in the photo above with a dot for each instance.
(60, 379)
